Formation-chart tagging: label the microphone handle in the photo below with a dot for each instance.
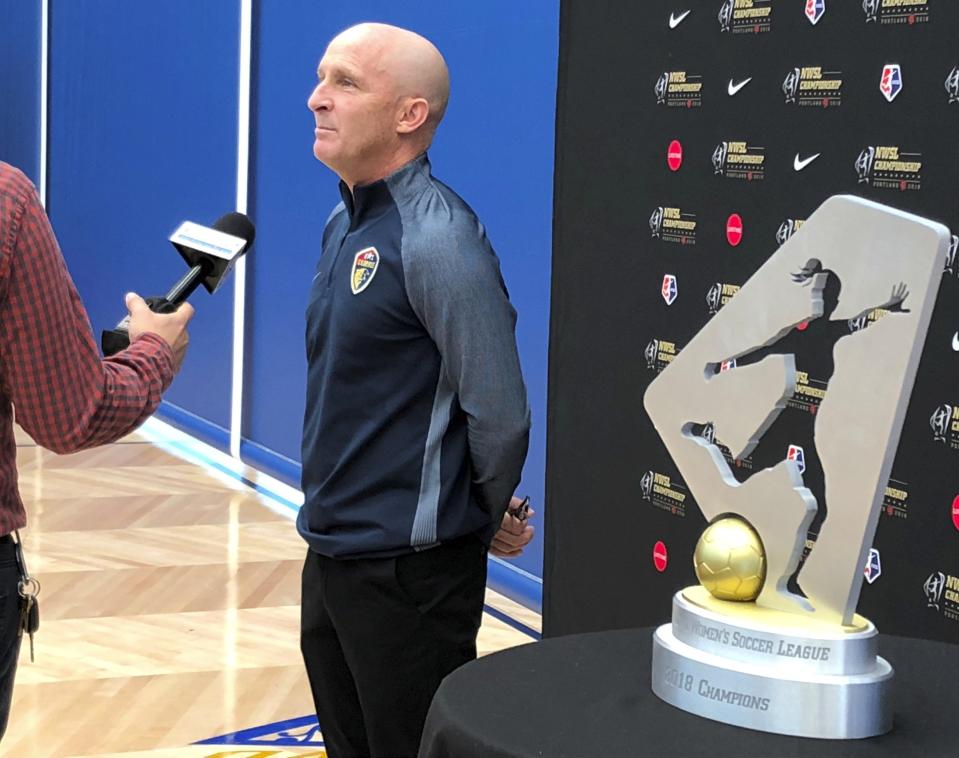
(114, 340)
(193, 278)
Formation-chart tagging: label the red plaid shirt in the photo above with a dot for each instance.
(66, 396)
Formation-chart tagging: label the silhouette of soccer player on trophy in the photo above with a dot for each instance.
(812, 345)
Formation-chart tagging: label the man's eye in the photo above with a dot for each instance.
(346, 82)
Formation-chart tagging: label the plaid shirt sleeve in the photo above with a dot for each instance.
(66, 396)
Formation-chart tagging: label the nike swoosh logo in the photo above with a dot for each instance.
(675, 20)
(799, 165)
(955, 342)
(734, 88)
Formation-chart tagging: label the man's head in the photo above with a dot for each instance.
(381, 93)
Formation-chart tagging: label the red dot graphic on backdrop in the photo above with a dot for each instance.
(801, 326)
(660, 557)
(955, 512)
(734, 229)
(674, 155)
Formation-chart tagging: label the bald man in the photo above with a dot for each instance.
(417, 421)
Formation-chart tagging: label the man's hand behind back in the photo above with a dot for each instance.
(169, 326)
(514, 534)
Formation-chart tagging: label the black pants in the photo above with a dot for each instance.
(9, 625)
(378, 635)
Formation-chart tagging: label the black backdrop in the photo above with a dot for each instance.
(629, 86)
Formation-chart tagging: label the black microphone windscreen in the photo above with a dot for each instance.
(237, 225)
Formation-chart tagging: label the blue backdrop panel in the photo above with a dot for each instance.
(495, 148)
(143, 105)
(20, 85)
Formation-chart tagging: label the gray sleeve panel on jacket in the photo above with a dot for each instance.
(455, 288)
(339, 208)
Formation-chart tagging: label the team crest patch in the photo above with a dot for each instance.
(365, 264)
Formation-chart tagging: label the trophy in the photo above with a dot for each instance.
(743, 647)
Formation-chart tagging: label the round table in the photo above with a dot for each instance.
(588, 695)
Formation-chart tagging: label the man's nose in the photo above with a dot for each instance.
(318, 99)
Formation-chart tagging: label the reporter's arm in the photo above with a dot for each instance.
(65, 395)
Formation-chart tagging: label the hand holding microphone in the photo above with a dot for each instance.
(169, 326)
(211, 254)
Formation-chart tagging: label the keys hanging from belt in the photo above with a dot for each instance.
(28, 587)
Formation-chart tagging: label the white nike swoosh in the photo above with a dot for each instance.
(799, 165)
(734, 88)
(955, 342)
(675, 20)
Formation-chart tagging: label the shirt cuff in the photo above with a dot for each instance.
(159, 347)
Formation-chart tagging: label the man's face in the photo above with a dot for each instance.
(354, 106)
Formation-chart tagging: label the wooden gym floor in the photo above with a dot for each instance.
(169, 610)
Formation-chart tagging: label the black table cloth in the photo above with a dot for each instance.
(588, 695)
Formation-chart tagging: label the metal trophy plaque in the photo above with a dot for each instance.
(743, 648)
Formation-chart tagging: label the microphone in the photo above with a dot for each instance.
(209, 252)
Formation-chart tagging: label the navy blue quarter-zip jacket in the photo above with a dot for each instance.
(417, 422)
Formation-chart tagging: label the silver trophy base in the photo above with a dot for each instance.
(748, 669)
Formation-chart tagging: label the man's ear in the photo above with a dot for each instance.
(413, 114)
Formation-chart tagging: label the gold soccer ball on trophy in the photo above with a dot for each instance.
(730, 561)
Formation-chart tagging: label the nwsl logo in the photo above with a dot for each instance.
(873, 565)
(890, 83)
(871, 9)
(796, 453)
(815, 10)
(670, 289)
